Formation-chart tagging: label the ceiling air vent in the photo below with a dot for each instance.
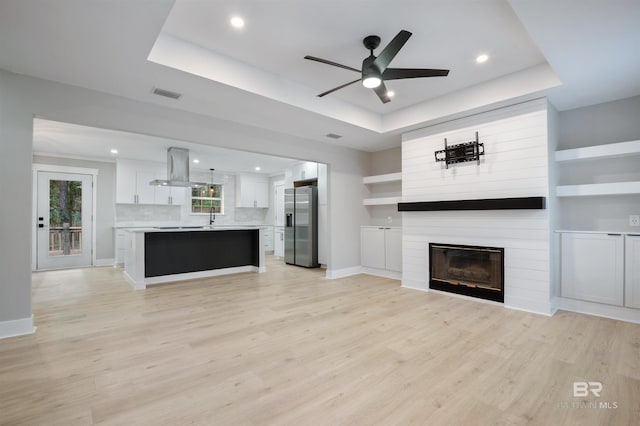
(333, 136)
(166, 93)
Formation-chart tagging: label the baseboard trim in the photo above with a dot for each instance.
(145, 282)
(394, 275)
(599, 310)
(333, 274)
(14, 328)
(104, 262)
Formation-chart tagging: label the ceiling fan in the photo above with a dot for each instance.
(374, 70)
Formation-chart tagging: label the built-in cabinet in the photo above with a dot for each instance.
(381, 248)
(632, 270)
(600, 267)
(591, 267)
(132, 184)
(252, 190)
(305, 170)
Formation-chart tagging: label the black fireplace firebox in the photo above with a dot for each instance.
(469, 270)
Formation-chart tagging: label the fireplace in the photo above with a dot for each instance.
(469, 270)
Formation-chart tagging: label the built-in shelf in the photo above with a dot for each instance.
(390, 177)
(615, 188)
(612, 150)
(388, 197)
(381, 201)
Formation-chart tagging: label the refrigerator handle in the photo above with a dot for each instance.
(289, 220)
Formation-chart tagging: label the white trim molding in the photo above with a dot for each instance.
(333, 274)
(14, 328)
(104, 262)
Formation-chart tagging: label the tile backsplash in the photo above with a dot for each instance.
(147, 213)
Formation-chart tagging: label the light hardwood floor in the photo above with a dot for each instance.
(290, 347)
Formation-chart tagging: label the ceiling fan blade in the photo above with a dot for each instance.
(381, 91)
(399, 73)
(335, 64)
(391, 50)
(338, 88)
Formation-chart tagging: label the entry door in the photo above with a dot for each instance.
(64, 211)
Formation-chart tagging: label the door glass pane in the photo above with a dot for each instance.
(65, 217)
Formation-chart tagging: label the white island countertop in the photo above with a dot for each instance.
(187, 228)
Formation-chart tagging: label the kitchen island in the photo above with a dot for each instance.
(168, 254)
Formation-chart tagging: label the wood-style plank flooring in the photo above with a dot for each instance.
(289, 347)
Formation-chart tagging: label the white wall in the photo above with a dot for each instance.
(16, 136)
(22, 98)
(515, 165)
(105, 203)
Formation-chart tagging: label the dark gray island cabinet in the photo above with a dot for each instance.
(158, 255)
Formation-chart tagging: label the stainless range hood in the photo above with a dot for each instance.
(177, 170)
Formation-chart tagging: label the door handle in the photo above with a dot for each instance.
(41, 225)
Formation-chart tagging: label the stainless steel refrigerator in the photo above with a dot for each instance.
(301, 226)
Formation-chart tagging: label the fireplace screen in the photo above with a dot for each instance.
(470, 270)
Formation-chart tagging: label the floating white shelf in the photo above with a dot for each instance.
(381, 201)
(391, 177)
(615, 188)
(611, 150)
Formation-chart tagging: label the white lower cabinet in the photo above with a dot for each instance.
(119, 244)
(592, 267)
(632, 271)
(267, 235)
(278, 243)
(381, 248)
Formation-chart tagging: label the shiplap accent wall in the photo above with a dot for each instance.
(516, 164)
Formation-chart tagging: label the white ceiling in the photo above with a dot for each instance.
(576, 52)
(64, 139)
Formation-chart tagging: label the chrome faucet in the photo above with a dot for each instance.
(212, 216)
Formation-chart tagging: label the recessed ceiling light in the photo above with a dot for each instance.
(237, 22)
(195, 160)
(391, 93)
(482, 58)
(114, 151)
(258, 169)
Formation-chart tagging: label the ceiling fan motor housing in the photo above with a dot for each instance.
(368, 69)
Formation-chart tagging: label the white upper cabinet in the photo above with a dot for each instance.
(305, 170)
(252, 190)
(132, 184)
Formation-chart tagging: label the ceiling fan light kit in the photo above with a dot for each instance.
(375, 70)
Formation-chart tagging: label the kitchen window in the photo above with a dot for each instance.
(203, 199)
